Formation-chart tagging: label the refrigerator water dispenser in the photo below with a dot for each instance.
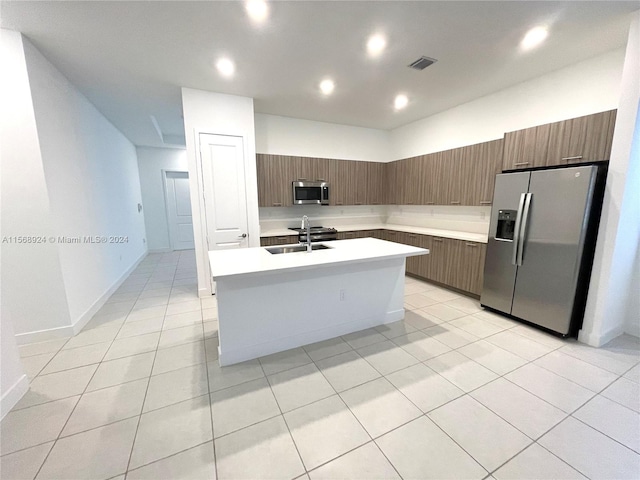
(506, 224)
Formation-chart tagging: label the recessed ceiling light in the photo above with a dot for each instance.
(400, 102)
(225, 67)
(327, 86)
(533, 38)
(258, 10)
(376, 44)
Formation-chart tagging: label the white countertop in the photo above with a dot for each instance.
(467, 236)
(246, 261)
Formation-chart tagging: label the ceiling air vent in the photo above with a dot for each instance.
(422, 63)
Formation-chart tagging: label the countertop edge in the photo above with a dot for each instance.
(434, 232)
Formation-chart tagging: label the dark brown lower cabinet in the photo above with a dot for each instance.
(283, 240)
(455, 263)
(466, 265)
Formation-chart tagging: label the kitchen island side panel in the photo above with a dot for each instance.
(264, 314)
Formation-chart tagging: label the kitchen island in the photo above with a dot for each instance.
(271, 302)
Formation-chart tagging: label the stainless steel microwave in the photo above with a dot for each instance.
(310, 193)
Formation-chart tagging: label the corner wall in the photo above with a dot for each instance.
(91, 173)
(151, 163)
(33, 290)
(612, 306)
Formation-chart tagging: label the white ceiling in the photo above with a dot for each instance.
(131, 58)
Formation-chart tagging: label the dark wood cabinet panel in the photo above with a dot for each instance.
(526, 148)
(275, 174)
(411, 186)
(357, 181)
(465, 265)
(375, 187)
(581, 139)
(304, 169)
(282, 240)
(391, 175)
(490, 164)
(338, 182)
(433, 175)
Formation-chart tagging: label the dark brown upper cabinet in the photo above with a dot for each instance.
(526, 148)
(275, 174)
(581, 139)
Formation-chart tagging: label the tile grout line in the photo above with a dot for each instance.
(284, 419)
(78, 401)
(142, 412)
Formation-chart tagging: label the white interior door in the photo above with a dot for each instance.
(225, 199)
(179, 210)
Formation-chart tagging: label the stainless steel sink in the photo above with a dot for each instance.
(295, 248)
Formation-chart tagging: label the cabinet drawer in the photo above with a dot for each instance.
(281, 240)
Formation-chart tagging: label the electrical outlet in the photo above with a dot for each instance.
(342, 295)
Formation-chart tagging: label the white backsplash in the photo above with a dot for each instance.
(273, 218)
(442, 217)
(470, 219)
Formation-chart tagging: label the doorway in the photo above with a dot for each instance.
(179, 217)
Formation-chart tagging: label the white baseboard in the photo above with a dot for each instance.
(44, 335)
(13, 395)
(161, 250)
(600, 339)
(80, 323)
(251, 352)
(77, 325)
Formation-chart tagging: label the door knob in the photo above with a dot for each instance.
(244, 235)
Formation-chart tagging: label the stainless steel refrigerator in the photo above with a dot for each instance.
(542, 234)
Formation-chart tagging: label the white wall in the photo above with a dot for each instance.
(293, 136)
(583, 88)
(13, 381)
(92, 178)
(33, 289)
(208, 112)
(613, 295)
(151, 163)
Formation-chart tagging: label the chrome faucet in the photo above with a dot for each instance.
(306, 225)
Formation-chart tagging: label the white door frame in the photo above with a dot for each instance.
(166, 201)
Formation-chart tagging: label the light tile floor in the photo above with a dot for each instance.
(452, 391)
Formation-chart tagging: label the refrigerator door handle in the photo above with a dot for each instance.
(516, 232)
(522, 236)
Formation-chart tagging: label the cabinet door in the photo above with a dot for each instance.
(465, 269)
(581, 139)
(438, 262)
(431, 178)
(526, 148)
(470, 175)
(454, 169)
(392, 236)
(375, 189)
(357, 181)
(303, 169)
(413, 263)
(282, 240)
(275, 174)
(339, 180)
(323, 169)
(390, 183)
(411, 184)
(490, 164)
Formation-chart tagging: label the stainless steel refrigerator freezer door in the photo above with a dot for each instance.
(499, 269)
(553, 243)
